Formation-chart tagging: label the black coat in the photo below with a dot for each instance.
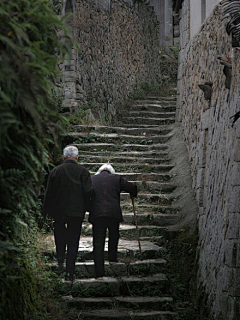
(107, 189)
(68, 189)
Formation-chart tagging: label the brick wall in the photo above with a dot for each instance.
(214, 152)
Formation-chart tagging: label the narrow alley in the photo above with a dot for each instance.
(142, 285)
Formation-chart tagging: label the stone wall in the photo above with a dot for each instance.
(118, 48)
(214, 152)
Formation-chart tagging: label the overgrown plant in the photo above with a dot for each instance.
(29, 124)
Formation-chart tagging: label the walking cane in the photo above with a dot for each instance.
(135, 217)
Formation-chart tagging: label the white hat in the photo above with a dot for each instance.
(106, 167)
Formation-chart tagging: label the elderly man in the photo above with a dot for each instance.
(69, 189)
(106, 213)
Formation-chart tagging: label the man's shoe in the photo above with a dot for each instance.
(69, 277)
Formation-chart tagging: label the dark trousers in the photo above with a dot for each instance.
(67, 234)
(100, 227)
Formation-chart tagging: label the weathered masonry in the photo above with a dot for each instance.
(119, 44)
(214, 148)
(118, 49)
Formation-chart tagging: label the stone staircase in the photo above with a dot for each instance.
(138, 286)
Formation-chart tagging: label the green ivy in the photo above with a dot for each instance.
(29, 126)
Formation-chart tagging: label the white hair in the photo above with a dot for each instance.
(70, 152)
(106, 167)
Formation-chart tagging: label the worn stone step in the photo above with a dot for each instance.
(119, 147)
(124, 167)
(154, 99)
(141, 207)
(147, 121)
(113, 159)
(130, 154)
(154, 107)
(158, 240)
(154, 285)
(142, 125)
(128, 244)
(152, 219)
(133, 303)
(114, 137)
(130, 232)
(154, 186)
(148, 232)
(142, 176)
(151, 114)
(158, 198)
(128, 250)
(149, 218)
(152, 176)
(121, 130)
(124, 314)
(125, 267)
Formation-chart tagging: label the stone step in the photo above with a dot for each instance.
(128, 250)
(131, 154)
(124, 167)
(129, 232)
(152, 219)
(155, 99)
(157, 219)
(114, 137)
(142, 176)
(119, 147)
(151, 198)
(154, 177)
(127, 267)
(158, 240)
(142, 125)
(154, 107)
(124, 314)
(129, 302)
(154, 186)
(121, 130)
(153, 285)
(132, 121)
(115, 160)
(151, 114)
(147, 208)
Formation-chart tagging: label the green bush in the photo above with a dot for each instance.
(29, 124)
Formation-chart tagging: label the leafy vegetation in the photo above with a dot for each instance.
(30, 123)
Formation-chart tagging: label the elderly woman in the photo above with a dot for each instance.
(106, 213)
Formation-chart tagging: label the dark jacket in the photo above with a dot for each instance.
(68, 189)
(107, 189)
